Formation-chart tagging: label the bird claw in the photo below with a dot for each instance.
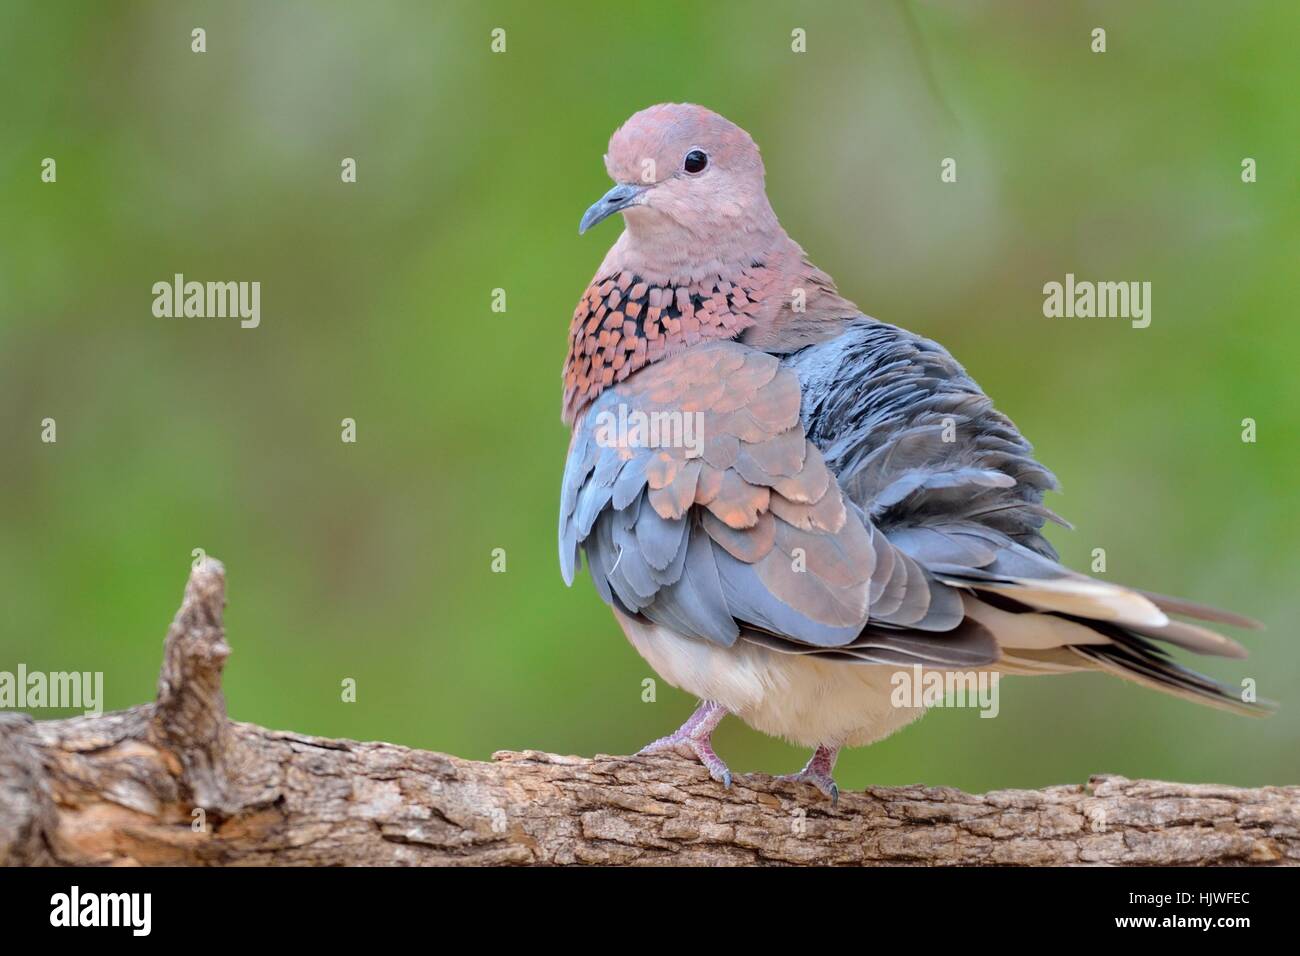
(692, 740)
(822, 781)
(818, 773)
(688, 746)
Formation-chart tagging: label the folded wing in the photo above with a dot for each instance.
(702, 506)
(950, 482)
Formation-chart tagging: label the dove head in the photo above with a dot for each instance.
(702, 256)
(689, 184)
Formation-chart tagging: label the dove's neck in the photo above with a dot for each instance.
(675, 243)
(641, 308)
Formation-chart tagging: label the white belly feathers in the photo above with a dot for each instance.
(794, 696)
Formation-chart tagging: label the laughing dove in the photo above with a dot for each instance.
(786, 502)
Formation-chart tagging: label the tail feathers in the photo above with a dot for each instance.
(1193, 637)
(1150, 667)
(1087, 600)
(1111, 628)
(1201, 612)
(1070, 595)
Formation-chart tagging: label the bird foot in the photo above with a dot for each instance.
(818, 773)
(692, 740)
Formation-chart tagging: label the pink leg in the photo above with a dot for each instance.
(818, 772)
(692, 740)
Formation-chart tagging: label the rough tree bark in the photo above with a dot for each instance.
(177, 782)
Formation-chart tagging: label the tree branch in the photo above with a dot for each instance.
(177, 782)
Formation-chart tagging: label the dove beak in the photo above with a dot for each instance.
(616, 200)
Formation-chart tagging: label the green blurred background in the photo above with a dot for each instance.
(373, 561)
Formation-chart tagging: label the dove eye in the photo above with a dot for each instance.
(695, 161)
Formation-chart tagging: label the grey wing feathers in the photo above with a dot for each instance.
(926, 547)
(915, 442)
(747, 536)
(953, 485)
